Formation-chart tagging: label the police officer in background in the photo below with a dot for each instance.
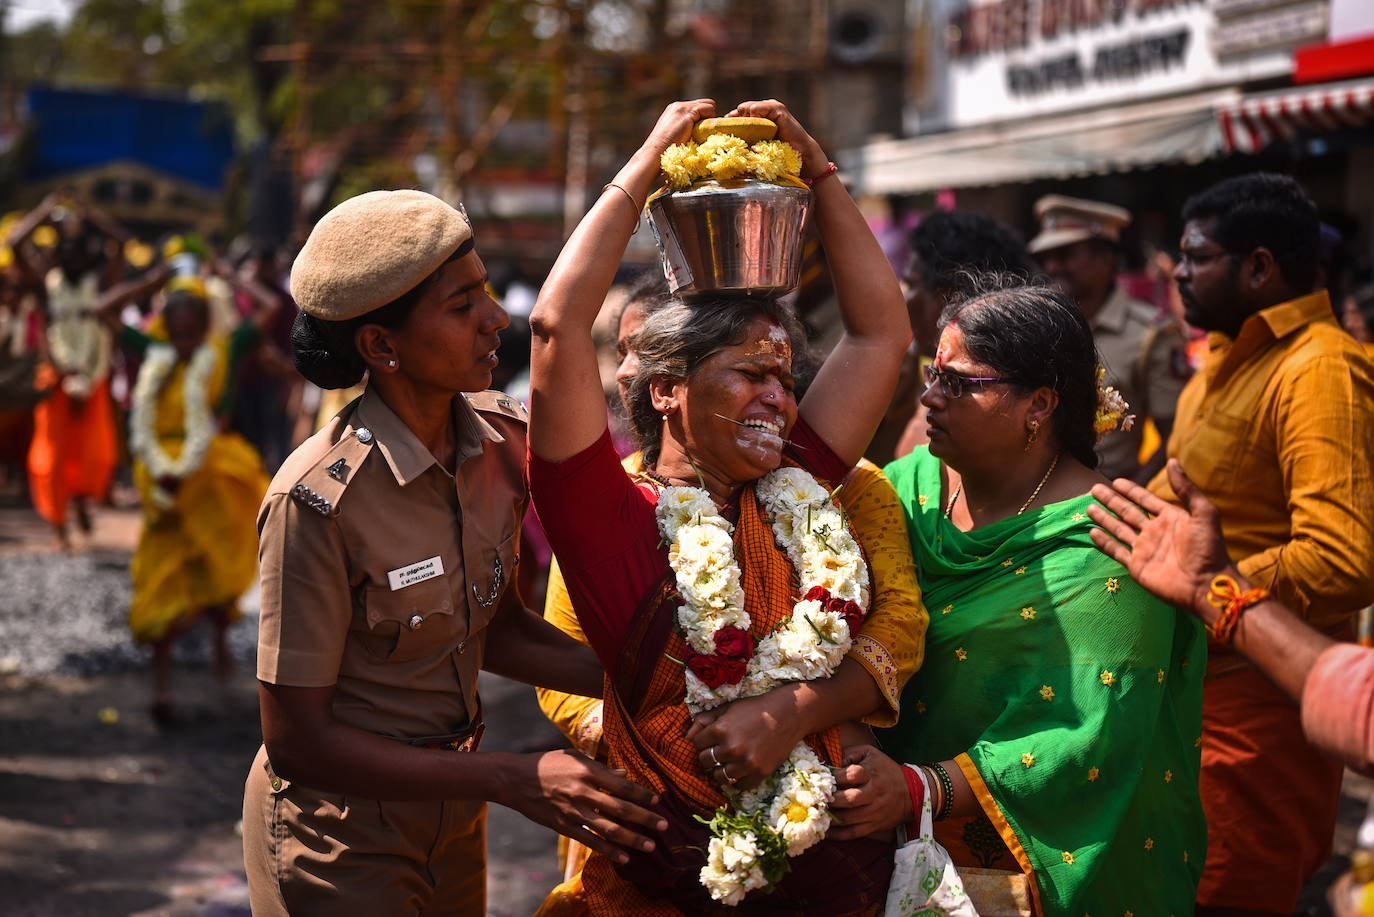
(1145, 361)
(389, 541)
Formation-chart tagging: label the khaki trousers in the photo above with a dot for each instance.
(309, 853)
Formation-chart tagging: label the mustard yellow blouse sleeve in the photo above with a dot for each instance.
(892, 643)
(577, 717)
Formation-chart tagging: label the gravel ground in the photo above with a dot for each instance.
(116, 818)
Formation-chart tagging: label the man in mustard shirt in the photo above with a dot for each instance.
(1275, 430)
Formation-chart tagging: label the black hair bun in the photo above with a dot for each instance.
(319, 358)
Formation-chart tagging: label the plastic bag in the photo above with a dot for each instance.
(924, 881)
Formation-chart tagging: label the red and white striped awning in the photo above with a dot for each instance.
(1254, 122)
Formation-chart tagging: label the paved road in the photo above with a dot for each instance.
(116, 818)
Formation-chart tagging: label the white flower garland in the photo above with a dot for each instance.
(199, 421)
(789, 812)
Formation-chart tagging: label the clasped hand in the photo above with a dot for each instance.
(586, 801)
(743, 742)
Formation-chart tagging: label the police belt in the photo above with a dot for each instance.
(466, 739)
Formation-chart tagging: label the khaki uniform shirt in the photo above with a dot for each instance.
(381, 571)
(1146, 363)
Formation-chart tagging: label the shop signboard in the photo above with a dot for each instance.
(1014, 59)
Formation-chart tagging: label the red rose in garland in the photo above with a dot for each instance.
(710, 669)
(854, 617)
(734, 643)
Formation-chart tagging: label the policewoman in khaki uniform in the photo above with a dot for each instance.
(388, 544)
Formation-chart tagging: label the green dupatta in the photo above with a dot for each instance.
(1070, 696)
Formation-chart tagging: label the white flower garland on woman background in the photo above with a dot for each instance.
(199, 420)
(788, 812)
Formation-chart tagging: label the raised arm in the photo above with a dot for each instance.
(112, 300)
(567, 407)
(852, 390)
(266, 303)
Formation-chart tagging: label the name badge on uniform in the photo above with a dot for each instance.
(414, 573)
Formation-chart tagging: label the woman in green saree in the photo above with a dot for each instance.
(1062, 701)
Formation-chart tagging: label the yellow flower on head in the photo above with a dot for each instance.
(1168, 776)
(682, 164)
(1149, 843)
(1028, 759)
(1113, 585)
(1093, 774)
(772, 159)
(1028, 613)
(947, 609)
(1047, 692)
(726, 155)
(1107, 678)
(961, 654)
(1069, 858)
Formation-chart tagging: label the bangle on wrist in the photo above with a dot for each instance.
(629, 197)
(945, 793)
(1225, 593)
(829, 170)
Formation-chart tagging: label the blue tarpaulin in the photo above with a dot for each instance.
(76, 130)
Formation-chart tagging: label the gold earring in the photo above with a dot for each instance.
(1033, 433)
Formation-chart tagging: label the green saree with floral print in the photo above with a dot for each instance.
(1071, 700)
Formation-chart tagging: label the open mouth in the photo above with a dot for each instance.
(768, 426)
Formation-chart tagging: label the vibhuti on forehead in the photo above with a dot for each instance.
(1194, 237)
(777, 344)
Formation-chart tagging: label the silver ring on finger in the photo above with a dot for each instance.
(714, 760)
(725, 772)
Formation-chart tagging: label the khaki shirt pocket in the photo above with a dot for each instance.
(409, 623)
(488, 580)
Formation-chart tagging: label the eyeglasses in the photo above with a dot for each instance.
(953, 385)
(1197, 259)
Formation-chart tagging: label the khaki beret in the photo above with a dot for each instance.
(371, 249)
(1066, 220)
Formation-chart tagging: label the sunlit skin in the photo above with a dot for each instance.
(984, 425)
(448, 343)
(748, 382)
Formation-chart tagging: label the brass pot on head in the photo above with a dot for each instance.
(731, 236)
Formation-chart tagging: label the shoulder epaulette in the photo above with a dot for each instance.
(494, 402)
(323, 486)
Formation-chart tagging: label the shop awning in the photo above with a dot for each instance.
(1251, 124)
(1181, 129)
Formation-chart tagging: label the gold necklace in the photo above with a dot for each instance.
(1024, 506)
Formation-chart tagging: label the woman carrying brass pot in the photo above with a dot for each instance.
(723, 588)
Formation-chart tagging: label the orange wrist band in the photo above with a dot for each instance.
(1227, 595)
